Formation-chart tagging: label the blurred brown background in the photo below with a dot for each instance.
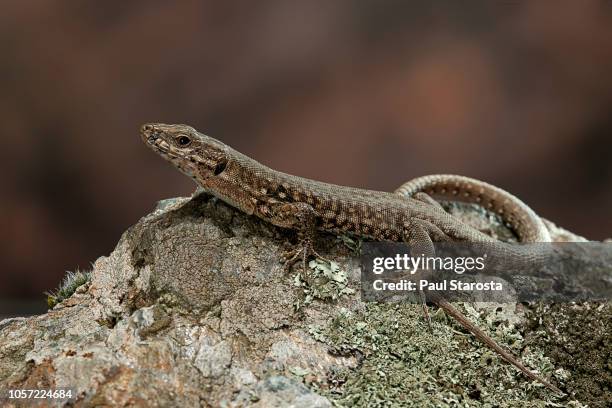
(349, 92)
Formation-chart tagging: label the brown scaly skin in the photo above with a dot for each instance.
(522, 219)
(306, 206)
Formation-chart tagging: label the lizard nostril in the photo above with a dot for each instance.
(146, 128)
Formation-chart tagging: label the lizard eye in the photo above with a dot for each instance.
(183, 140)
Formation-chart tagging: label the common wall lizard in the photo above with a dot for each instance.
(304, 205)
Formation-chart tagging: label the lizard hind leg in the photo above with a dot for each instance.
(427, 199)
(420, 243)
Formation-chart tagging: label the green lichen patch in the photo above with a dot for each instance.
(578, 337)
(322, 280)
(67, 287)
(401, 364)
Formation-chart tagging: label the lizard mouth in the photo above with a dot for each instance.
(161, 146)
(155, 140)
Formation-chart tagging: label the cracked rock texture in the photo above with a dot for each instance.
(193, 308)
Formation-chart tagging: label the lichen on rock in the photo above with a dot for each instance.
(194, 308)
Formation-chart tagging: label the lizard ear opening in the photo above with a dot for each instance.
(220, 167)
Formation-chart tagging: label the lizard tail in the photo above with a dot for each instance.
(525, 222)
(482, 336)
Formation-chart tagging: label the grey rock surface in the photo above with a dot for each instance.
(192, 308)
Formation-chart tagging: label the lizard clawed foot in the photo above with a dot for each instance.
(305, 248)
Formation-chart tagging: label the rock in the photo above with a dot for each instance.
(184, 312)
(277, 391)
(193, 308)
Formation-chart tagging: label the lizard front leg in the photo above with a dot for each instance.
(302, 218)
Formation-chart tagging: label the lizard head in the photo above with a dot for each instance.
(199, 156)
